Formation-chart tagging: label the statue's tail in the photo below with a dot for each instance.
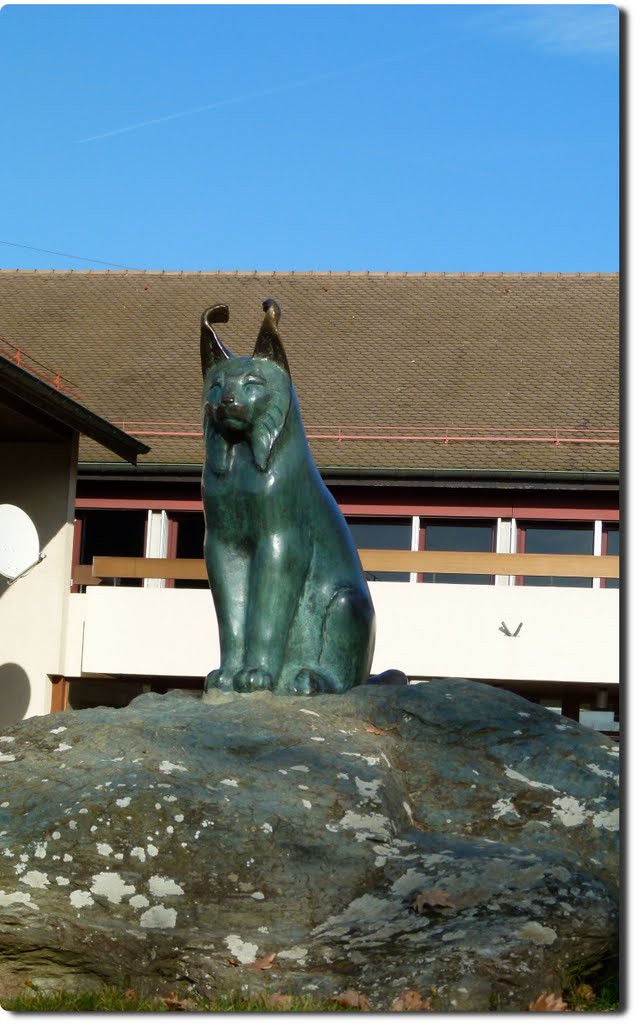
(392, 677)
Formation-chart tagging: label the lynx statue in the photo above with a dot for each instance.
(293, 607)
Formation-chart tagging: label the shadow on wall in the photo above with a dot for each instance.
(15, 693)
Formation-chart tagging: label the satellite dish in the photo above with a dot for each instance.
(19, 543)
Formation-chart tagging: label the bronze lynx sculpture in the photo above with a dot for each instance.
(293, 607)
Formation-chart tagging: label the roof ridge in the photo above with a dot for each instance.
(320, 273)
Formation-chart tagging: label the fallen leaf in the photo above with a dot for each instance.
(585, 992)
(351, 998)
(373, 729)
(431, 898)
(277, 1001)
(411, 1000)
(548, 1001)
(173, 1002)
(265, 962)
(231, 961)
(131, 993)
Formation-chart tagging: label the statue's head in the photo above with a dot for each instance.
(244, 397)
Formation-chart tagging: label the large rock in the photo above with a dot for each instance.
(173, 843)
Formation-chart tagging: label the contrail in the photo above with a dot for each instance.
(247, 96)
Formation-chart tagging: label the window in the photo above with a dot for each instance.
(186, 540)
(457, 535)
(116, 532)
(555, 539)
(382, 533)
(611, 546)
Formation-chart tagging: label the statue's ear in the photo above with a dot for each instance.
(212, 348)
(268, 343)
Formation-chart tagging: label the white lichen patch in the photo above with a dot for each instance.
(72, 825)
(40, 850)
(61, 880)
(342, 775)
(168, 767)
(518, 777)
(537, 933)
(258, 895)
(161, 886)
(452, 936)
(607, 819)
(123, 801)
(266, 827)
(569, 811)
(523, 714)
(68, 857)
(104, 849)
(56, 835)
(158, 917)
(244, 952)
(7, 757)
(111, 885)
(367, 824)
(318, 739)
(371, 761)
(169, 799)
(35, 879)
(60, 728)
(79, 898)
(307, 804)
(504, 806)
(298, 768)
(9, 898)
(408, 810)
(139, 901)
(178, 817)
(603, 772)
(306, 711)
(151, 850)
(303, 787)
(62, 747)
(298, 953)
(228, 782)
(11, 739)
(368, 789)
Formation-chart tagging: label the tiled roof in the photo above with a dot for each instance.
(387, 366)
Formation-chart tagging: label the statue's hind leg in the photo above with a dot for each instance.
(347, 641)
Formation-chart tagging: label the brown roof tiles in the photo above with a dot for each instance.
(406, 358)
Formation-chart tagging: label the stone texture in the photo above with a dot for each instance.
(173, 843)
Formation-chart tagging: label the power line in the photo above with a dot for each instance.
(68, 255)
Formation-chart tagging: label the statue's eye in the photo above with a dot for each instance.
(215, 390)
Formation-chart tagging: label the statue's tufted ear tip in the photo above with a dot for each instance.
(271, 304)
(268, 343)
(212, 348)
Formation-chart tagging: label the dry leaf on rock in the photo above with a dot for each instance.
(173, 1002)
(548, 1001)
(277, 1001)
(431, 898)
(351, 998)
(265, 962)
(231, 961)
(411, 1000)
(374, 729)
(585, 992)
(131, 993)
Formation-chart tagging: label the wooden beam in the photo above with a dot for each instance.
(463, 562)
(83, 576)
(59, 694)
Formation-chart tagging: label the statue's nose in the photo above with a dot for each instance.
(227, 398)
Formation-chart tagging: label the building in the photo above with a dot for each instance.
(40, 426)
(475, 414)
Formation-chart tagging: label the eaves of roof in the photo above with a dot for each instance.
(19, 384)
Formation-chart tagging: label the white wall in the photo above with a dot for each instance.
(39, 478)
(568, 634)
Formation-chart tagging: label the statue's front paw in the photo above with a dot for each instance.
(253, 679)
(219, 679)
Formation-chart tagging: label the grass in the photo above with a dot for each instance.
(113, 1000)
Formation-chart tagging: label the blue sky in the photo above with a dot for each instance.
(303, 137)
